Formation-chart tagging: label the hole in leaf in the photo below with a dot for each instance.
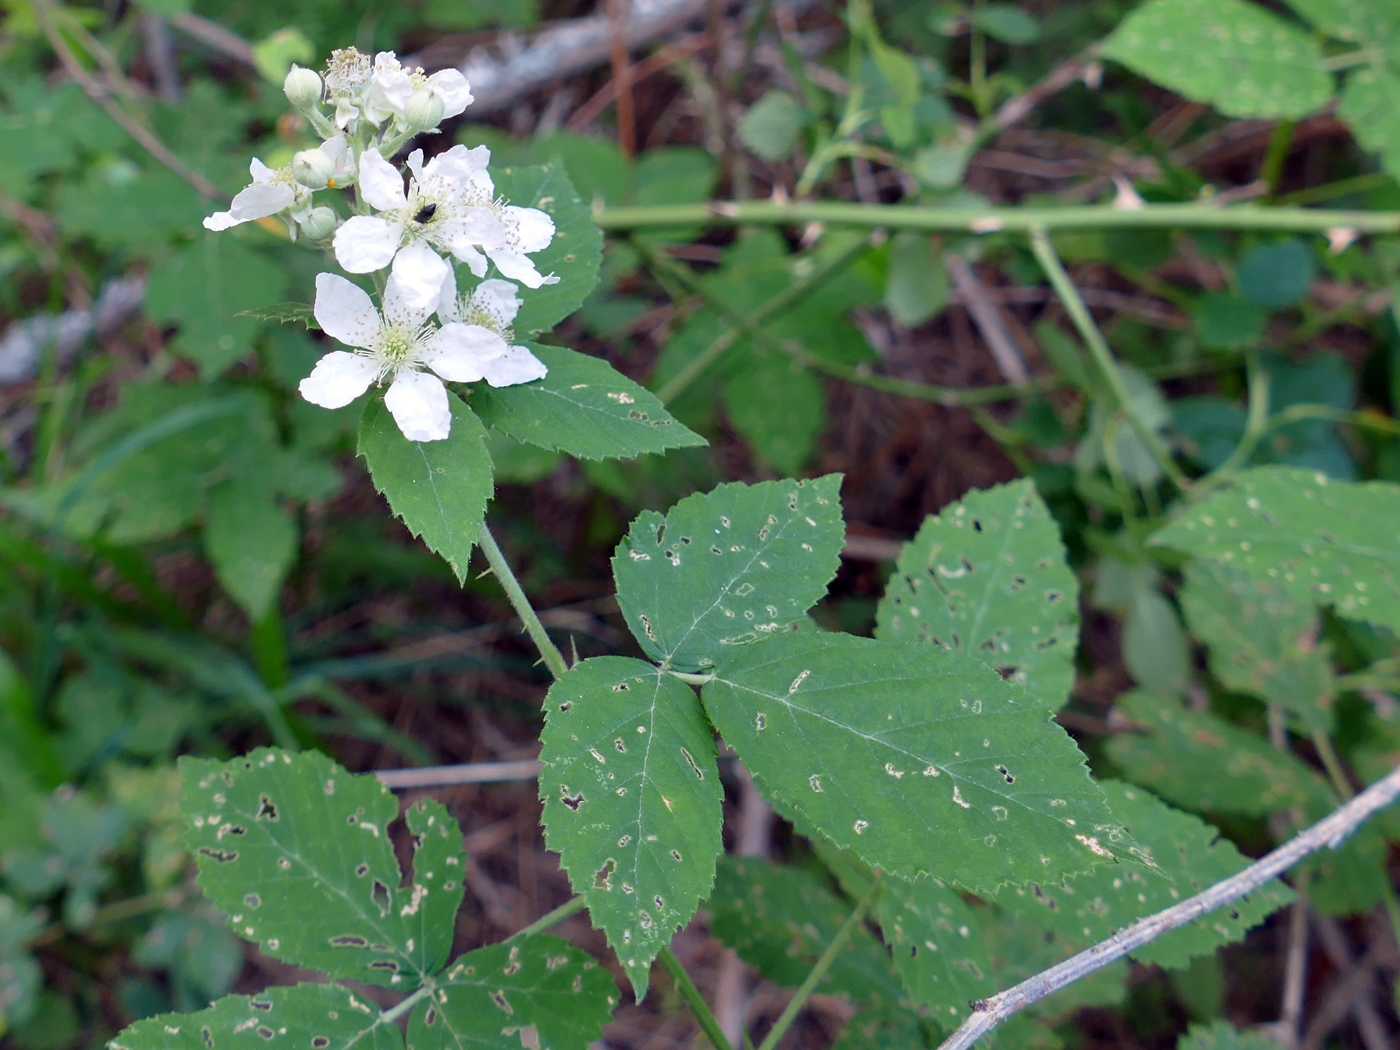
(347, 940)
(207, 1036)
(362, 870)
(661, 534)
(603, 880)
(260, 1004)
(265, 1032)
(572, 802)
(222, 856)
(385, 964)
(379, 893)
(320, 1042)
(266, 810)
(566, 705)
(430, 1018)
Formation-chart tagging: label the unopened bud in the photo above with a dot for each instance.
(423, 111)
(302, 87)
(313, 169)
(319, 224)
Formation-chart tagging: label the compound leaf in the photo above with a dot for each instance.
(987, 576)
(574, 254)
(319, 1016)
(1239, 57)
(1262, 641)
(918, 760)
(1203, 763)
(780, 920)
(632, 801)
(1331, 542)
(533, 993)
(725, 568)
(438, 488)
(296, 852)
(584, 407)
(937, 947)
(1190, 856)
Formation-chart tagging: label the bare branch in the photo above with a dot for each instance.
(1331, 831)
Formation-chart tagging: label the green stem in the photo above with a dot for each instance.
(691, 679)
(693, 999)
(1333, 190)
(117, 911)
(269, 643)
(396, 1011)
(991, 220)
(1272, 169)
(1255, 427)
(808, 986)
(551, 918)
(549, 652)
(1103, 356)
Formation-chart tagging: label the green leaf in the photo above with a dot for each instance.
(1358, 21)
(1369, 104)
(1351, 879)
(778, 408)
(573, 256)
(20, 976)
(1276, 274)
(1262, 641)
(323, 1016)
(780, 919)
(1155, 649)
(1203, 763)
(438, 489)
(916, 287)
(525, 994)
(251, 542)
(284, 313)
(918, 760)
(1241, 58)
(1005, 22)
(632, 801)
(204, 289)
(273, 55)
(881, 1029)
(1190, 856)
(1019, 950)
(1222, 1035)
(772, 126)
(584, 407)
(725, 568)
(937, 947)
(987, 576)
(1224, 321)
(1330, 542)
(296, 852)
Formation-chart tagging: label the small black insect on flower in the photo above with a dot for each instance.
(425, 213)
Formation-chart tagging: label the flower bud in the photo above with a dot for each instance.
(423, 111)
(319, 224)
(302, 87)
(313, 169)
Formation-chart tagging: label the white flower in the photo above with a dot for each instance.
(396, 347)
(493, 304)
(273, 190)
(450, 205)
(391, 86)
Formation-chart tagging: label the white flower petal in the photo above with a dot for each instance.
(220, 220)
(391, 90)
(517, 365)
(380, 182)
(414, 284)
(337, 151)
(476, 262)
(516, 266)
(338, 379)
(450, 86)
(365, 243)
(261, 199)
(498, 298)
(260, 171)
(533, 228)
(470, 228)
(418, 403)
(448, 309)
(460, 352)
(345, 312)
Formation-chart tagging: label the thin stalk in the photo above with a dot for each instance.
(693, 999)
(992, 220)
(692, 679)
(1333, 190)
(1279, 142)
(1103, 356)
(549, 652)
(809, 985)
(396, 1011)
(1255, 427)
(269, 642)
(117, 911)
(551, 918)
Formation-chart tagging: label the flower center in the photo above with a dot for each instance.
(397, 348)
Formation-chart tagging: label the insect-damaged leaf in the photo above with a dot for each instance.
(1262, 640)
(1190, 856)
(296, 852)
(438, 488)
(1331, 542)
(314, 1016)
(632, 801)
(987, 576)
(781, 919)
(532, 993)
(917, 759)
(584, 407)
(1203, 763)
(726, 568)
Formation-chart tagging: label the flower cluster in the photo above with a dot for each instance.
(424, 331)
